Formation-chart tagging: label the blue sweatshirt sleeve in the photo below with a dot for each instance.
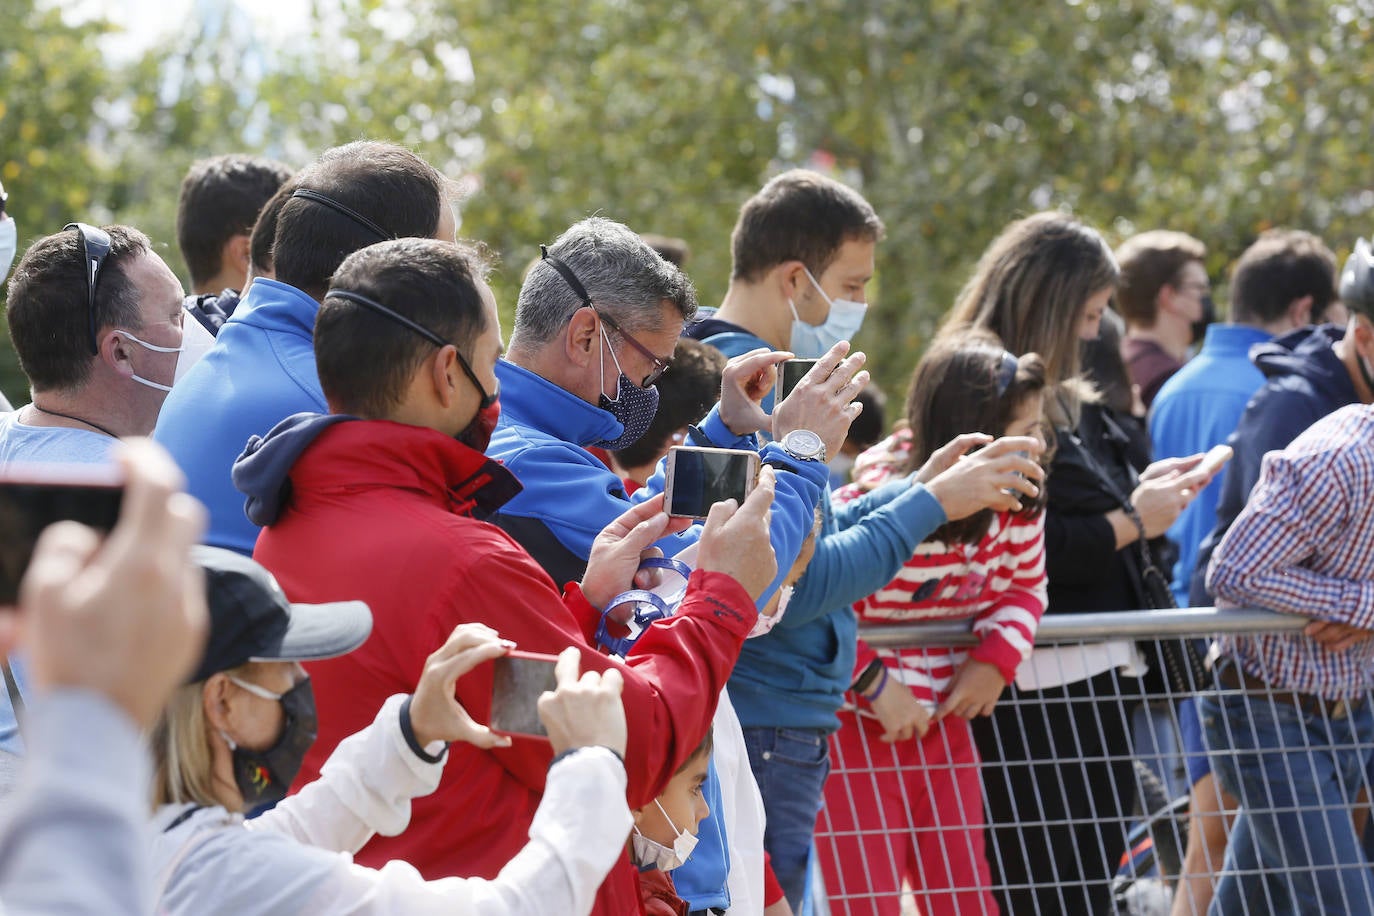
(880, 533)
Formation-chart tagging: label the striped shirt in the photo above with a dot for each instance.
(998, 583)
(1305, 545)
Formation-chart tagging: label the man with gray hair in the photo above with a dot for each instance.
(595, 327)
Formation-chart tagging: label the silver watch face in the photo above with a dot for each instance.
(805, 444)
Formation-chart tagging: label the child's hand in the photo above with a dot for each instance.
(973, 692)
(902, 715)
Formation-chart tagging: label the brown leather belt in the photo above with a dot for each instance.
(1229, 674)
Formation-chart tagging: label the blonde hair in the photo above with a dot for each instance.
(180, 744)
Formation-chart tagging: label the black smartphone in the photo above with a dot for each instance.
(792, 372)
(32, 497)
(698, 478)
(519, 679)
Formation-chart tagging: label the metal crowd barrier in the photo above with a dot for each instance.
(1084, 788)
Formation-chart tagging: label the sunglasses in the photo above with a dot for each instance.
(95, 248)
(660, 365)
(1006, 373)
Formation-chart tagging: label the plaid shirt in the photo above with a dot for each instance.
(1305, 545)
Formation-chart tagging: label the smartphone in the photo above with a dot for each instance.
(34, 496)
(792, 372)
(518, 680)
(698, 478)
(1216, 456)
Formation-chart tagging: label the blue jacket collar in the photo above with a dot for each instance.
(534, 402)
(1233, 339)
(276, 305)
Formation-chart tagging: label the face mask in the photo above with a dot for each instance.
(1209, 315)
(264, 776)
(633, 406)
(196, 341)
(784, 597)
(156, 349)
(812, 341)
(9, 246)
(477, 434)
(648, 854)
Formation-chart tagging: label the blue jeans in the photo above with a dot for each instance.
(1293, 848)
(790, 766)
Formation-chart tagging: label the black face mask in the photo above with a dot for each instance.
(1209, 315)
(264, 776)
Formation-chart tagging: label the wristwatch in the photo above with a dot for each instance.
(803, 445)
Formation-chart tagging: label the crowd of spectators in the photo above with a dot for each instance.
(347, 504)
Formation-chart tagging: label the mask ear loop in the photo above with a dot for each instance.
(606, 345)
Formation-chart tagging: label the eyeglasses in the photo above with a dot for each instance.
(426, 333)
(95, 248)
(660, 365)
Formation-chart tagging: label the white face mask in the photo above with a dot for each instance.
(196, 341)
(156, 349)
(648, 854)
(9, 245)
(812, 341)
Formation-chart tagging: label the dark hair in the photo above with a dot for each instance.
(1149, 262)
(799, 216)
(954, 391)
(1104, 366)
(701, 750)
(383, 182)
(674, 251)
(1030, 286)
(869, 426)
(221, 198)
(685, 394)
(47, 312)
(265, 230)
(365, 359)
(1282, 265)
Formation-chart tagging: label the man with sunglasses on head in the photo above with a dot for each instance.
(261, 368)
(95, 319)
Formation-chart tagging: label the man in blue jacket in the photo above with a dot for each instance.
(261, 369)
(803, 250)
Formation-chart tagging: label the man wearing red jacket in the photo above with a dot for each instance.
(382, 501)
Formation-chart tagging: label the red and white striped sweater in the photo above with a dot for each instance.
(998, 583)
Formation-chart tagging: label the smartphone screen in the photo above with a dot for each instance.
(698, 478)
(792, 372)
(518, 680)
(32, 498)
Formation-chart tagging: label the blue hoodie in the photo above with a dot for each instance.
(1305, 381)
(796, 675)
(260, 371)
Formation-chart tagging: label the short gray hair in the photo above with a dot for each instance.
(624, 277)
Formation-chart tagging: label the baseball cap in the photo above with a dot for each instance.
(251, 620)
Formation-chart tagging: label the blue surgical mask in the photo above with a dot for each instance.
(812, 341)
(633, 406)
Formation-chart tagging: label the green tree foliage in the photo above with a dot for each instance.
(1218, 117)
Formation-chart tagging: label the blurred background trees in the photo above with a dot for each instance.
(952, 116)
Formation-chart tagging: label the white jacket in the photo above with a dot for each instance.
(297, 858)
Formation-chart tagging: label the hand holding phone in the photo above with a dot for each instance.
(519, 679)
(792, 372)
(698, 478)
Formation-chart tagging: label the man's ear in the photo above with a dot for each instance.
(1300, 312)
(441, 369)
(235, 254)
(580, 337)
(115, 350)
(790, 277)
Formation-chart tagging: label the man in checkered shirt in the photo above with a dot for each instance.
(1290, 728)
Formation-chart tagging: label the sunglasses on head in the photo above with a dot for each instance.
(95, 248)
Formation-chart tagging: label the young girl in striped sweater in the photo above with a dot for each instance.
(905, 801)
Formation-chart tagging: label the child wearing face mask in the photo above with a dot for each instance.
(665, 833)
